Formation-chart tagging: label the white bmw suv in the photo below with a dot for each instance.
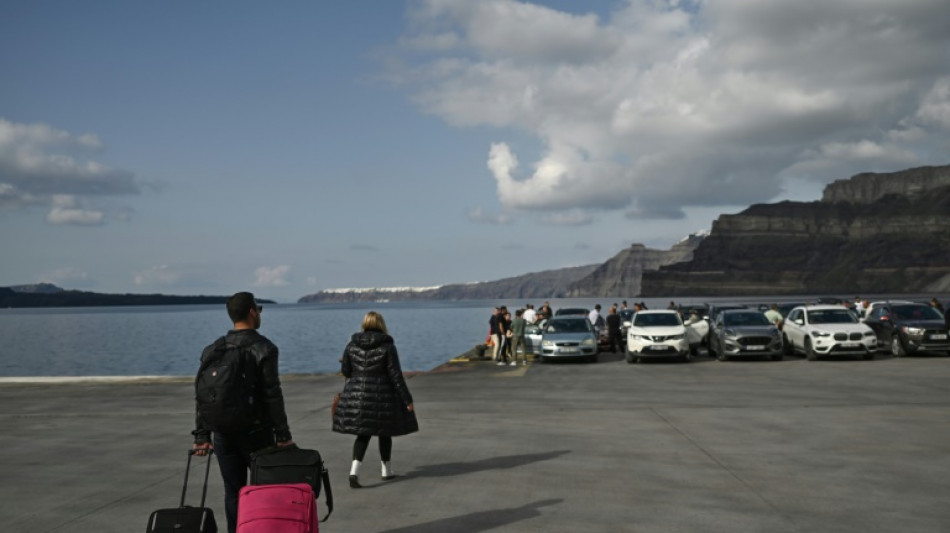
(658, 333)
(820, 330)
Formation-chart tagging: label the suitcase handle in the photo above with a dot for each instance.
(204, 490)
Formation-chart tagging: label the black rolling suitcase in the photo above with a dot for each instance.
(185, 519)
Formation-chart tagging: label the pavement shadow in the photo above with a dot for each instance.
(480, 521)
(491, 463)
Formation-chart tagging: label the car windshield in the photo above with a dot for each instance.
(576, 325)
(625, 314)
(915, 312)
(656, 319)
(745, 319)
(572, 311)
(831, 316)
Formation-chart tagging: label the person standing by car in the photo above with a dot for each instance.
(613, 330)
(518, 325)
(234, 434)
(936, 305)
(375, 399)
(545, 313)
(504, 332)
(596, 320)
(494, 334)
(775, 317)
(530, 315)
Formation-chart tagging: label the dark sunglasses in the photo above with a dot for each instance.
(260, 308)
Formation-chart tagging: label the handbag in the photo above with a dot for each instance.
(281, 465)
(336, 402)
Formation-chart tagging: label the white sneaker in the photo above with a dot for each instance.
(500, 363)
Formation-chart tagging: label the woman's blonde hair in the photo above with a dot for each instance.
(374, 321)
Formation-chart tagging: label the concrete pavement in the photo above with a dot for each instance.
(792, 446)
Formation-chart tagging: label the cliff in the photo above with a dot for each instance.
(874, 233)
(869, 187)
(622, 274)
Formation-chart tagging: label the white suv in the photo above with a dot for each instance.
(657, 334)
(818, 330)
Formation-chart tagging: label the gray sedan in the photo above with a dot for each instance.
(568, 337)
(744, 332)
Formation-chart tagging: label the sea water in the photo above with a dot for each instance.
(167, 340)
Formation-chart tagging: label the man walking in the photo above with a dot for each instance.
(518, 325)
(240, 412)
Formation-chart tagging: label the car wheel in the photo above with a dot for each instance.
(809, 352)
(630, 358)
(897, 347)
(592, 359)
(687, 357)
(787, 346)
(868, 356)
(777, 357)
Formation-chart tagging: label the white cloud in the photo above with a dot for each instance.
(664, 105)
(161, 276)
(272, 276)
(66, 211)
(39, 164)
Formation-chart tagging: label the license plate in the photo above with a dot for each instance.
(568, 350)
(656, 347)
(754, 348)
(850, 344)
(939, 337)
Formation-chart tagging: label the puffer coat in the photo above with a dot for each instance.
(375, 397)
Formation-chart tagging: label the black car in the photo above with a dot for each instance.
(572, 311)
(909, 328)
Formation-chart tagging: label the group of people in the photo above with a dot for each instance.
(375, 399)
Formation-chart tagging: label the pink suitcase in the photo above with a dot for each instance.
(277, 509)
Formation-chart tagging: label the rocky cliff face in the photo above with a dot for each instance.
(622, 274)
(870, 187)
(876, 233)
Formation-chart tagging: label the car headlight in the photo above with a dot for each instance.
(820, 334)
(679, 337)
(913, 331)
(589, 342)
(870, 333)
(547, 344)
(729, 333)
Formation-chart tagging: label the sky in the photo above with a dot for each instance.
(290, 147)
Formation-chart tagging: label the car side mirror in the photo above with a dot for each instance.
(799, 321)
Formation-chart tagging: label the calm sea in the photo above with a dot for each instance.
(167, 340)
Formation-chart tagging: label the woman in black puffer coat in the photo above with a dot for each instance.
(375, 399)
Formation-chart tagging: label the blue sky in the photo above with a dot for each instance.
(285, 148)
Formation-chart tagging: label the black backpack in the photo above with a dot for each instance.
(224, 388)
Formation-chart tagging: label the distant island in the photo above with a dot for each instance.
(49, 295)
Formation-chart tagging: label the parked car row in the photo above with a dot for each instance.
(739, 331)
